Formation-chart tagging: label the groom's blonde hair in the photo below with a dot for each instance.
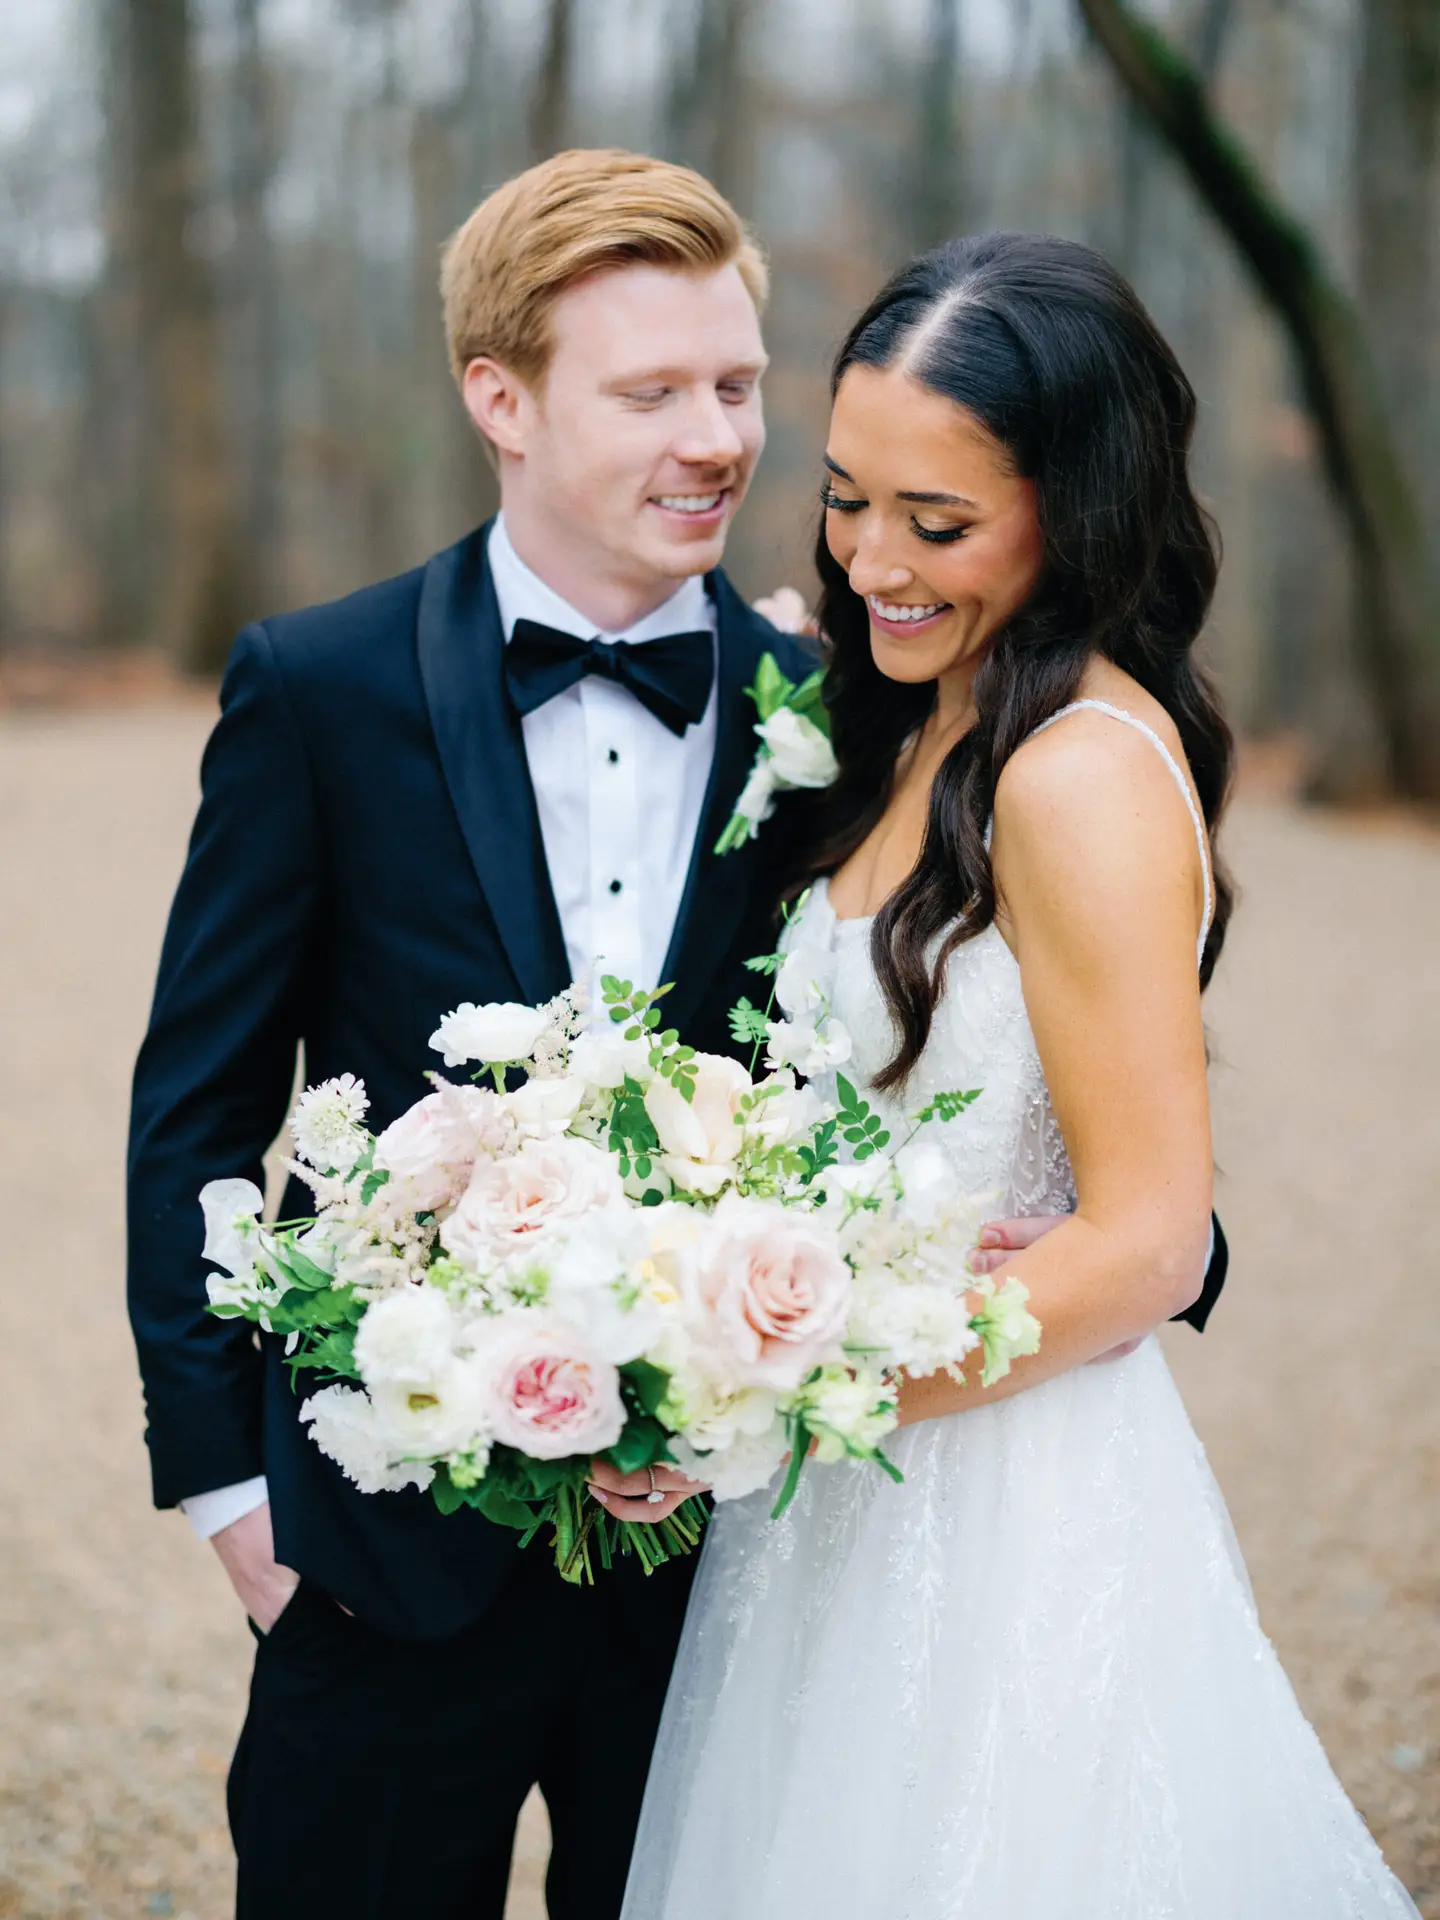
(576, 214)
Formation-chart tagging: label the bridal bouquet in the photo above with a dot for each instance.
(636, 1251)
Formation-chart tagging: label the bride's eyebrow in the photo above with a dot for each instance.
(836, 468)
(940, 500)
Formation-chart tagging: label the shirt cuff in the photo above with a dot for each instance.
(209, 1512)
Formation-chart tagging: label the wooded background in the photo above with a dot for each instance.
(223, 386)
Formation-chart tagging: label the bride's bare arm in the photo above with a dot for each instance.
(1101, 888)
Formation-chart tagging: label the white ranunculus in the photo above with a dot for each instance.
(232, 1210)
(757, 796)
(502, 1033)
(327, 1125)
(543, 1109)
(344, 1426)
(700, 1138)
(803, 757)
(511, 1205)
(749, 1463)
(811, 1047)
(786, 1114)
(406, 1335)
(603, 1058)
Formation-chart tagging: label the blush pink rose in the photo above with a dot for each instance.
(430, 1150)
(771, 1293)
(512, 1204)
(546, 1391)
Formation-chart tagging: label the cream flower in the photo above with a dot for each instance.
(543, 1109)
(603, 1058)
(407, 1335)
(700, 1139)
(808, 1046)
(429, 1152)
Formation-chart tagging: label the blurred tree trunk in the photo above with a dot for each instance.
(184, 479)
(707, 118)
(255, 322)
(1397, 631)
(550, 109)
(1397, 208)
(938, 196)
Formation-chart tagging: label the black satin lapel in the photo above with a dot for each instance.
(482, 752)
(717, 888)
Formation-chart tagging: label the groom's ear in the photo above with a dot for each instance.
(500, 404)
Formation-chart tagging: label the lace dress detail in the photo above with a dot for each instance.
(1027, 1684)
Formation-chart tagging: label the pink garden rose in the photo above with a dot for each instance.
(770, 1291)
(430, 1150)
(545, 1391)
(512, 1204)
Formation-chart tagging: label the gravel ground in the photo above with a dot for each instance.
(122, 1657)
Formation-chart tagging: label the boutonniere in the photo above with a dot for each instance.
(794, 749)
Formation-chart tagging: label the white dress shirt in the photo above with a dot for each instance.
(619, 798)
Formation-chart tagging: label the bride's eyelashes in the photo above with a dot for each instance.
(832, 500)
(937, 536)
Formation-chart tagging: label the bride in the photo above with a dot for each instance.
(1029, 1683)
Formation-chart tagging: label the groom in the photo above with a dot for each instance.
(475, 782)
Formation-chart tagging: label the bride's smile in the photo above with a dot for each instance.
(929, 517)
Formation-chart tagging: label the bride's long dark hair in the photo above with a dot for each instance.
(1047, 346)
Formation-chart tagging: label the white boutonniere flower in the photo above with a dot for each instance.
(794, 750)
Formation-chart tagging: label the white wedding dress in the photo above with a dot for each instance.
(1027, 1684)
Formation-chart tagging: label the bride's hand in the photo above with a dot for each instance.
(627, 1495)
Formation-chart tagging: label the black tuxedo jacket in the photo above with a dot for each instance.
(367, 855)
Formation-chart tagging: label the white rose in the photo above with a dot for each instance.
(803, 757)
(547, 1392)
(344, 1426)
(699, 1138)
(768, 1292)
(510, 1205)
(407, 1335)
(543, 1109)
(602, 1057)
(429, 1152)
(504, 1032)
(811, 1047)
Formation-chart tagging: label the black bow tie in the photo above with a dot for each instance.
(671, 676)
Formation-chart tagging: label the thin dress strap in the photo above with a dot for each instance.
(1202, 838)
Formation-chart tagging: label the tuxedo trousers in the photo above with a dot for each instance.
(381, 1779)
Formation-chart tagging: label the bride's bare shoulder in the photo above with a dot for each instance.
(1088, 803)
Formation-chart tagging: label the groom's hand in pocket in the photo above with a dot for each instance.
(627, 1495)
(247, 1553)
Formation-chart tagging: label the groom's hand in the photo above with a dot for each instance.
(1000, 1238)
(627, 1495)
(247, 1553)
